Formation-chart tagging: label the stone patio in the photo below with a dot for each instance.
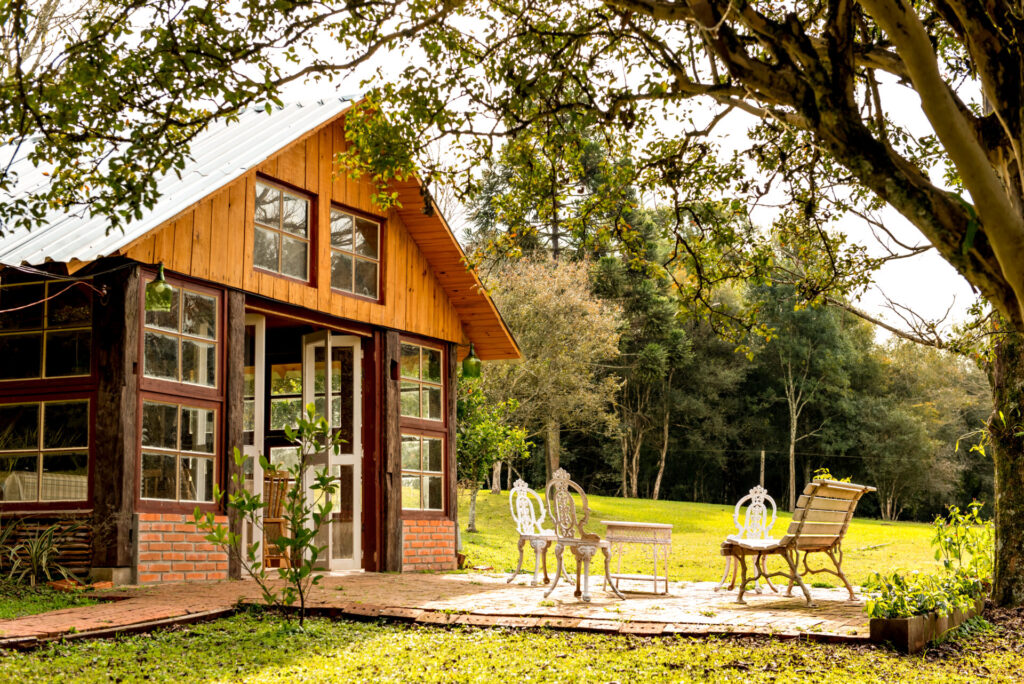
(481, 599)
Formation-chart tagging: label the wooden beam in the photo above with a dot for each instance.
(234, 391)
(391, 487)
(116, 328)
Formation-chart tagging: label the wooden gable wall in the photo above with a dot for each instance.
(213, 241)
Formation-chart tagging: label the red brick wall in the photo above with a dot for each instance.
(428, 545)
(171, 549)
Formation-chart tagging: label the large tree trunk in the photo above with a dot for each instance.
(1007, 377)
(661, 457)
(634, 468)
(552, 445)
(496, 478)
(471, 518)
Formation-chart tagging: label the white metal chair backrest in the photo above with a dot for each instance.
(756, 524)
(562, 506)
(523, 512)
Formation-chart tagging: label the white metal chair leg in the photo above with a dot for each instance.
(558, 572)
(607, 574)
(519, 566)
(538, 559)
(725, 575)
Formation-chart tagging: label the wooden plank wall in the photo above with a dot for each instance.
(214, 241)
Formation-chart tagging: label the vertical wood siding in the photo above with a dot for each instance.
(213, 240)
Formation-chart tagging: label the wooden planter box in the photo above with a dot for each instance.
(912, 634)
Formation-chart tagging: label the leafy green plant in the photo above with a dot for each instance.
(35, 558)
(963, 542)
(304, 513)
(824, 474)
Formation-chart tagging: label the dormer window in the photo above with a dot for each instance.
(355, 254)
(281, 232)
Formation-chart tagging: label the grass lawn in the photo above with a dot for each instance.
(20, 599)
(698, 531)
(259, 648)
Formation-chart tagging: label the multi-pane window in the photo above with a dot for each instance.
(178, 452)
(285, 395)
(281, 232)
(355, 254)
(422, 388)
(422, 473)
(181, 344)
(44, 451)
(45, 330)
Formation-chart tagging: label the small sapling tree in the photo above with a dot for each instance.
(304, 512)
(486, 434)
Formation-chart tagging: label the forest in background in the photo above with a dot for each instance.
(636, 392)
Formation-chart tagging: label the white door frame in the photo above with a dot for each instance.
(253, 451)
(349, 454)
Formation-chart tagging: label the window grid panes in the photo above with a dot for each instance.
(281, 232)
(180, 345)
(422, 390)
(422, 473)
(48, 334)
(178, 452)
(355, 254)
(44, 451)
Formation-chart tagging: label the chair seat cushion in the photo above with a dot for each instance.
(752, 544)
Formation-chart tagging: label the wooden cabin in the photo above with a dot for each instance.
(290, 288)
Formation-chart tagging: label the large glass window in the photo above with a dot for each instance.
(45, 330)
(181, 344)
(178, 452)
(355, 254)
(44, 451)
(422, 473)
(422, 388)
(281, 232)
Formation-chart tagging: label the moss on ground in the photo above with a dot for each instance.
(260, 647)
(20, 599)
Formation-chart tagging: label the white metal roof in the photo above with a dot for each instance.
(220, 154)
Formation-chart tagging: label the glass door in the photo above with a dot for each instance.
(332, 382)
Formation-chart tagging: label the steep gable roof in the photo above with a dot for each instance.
(223, 153)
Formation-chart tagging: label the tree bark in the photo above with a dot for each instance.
(792, 462)
(1006, 374)
(471, 518)
(661, 458)
(496, 478)
(552, 445)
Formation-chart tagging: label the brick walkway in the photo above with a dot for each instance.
(474, 599)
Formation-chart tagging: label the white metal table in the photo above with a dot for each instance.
(654, 539)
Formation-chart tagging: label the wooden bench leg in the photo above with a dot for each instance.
(791, 560)
(839, 570)
(544, 558)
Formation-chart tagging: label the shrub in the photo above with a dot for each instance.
(963, 543)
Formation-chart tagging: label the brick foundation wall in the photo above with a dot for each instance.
(171, 549)
(428, 545)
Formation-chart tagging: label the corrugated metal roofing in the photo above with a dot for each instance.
(220, 154)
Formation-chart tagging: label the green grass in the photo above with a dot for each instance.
(20, 599)
(698, 530)
(260, 648)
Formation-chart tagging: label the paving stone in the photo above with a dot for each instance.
(645, 628)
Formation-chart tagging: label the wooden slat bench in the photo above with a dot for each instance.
(822, 516)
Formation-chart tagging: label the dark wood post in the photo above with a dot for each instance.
(116, 327)
(234, 360)
(453, 397)
(391, 487)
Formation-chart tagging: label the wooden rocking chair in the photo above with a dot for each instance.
(275, 488)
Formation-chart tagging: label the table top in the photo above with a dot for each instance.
(626, 523)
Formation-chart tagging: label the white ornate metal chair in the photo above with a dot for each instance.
(755, 526)
(530, 528)
(570, 533)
